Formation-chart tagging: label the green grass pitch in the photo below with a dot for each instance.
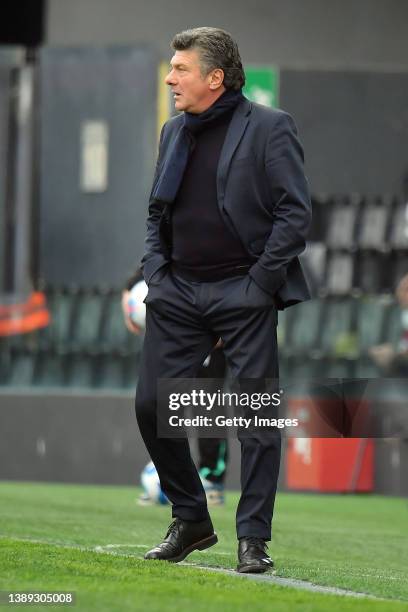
(91, 540)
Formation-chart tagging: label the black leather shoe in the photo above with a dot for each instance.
(182, 538)
(252, 556)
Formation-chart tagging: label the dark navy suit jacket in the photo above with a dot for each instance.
(263, 197)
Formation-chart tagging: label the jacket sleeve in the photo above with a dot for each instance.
(292, 211)
(153, 256)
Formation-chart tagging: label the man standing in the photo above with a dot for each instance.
(228, 216)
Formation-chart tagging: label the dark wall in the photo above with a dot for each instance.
(348, 33)
(95, 236)
(344, 71)
(70, 438)
(354, 128)
(75, 437)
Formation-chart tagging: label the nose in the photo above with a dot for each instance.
(170, 78)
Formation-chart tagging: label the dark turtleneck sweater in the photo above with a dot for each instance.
(201, 241)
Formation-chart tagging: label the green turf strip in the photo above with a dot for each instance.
(356, 543)
(106, 582)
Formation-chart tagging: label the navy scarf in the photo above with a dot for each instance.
(172, 173)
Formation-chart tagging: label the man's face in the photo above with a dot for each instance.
(192, 92)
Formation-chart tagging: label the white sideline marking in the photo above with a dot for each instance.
(215, 552)
(100, 548)
(105, 547)
(303, 585)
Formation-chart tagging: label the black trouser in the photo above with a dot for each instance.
(184, 320)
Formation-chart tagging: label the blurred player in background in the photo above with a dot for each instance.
(393, 359)
(213, 452)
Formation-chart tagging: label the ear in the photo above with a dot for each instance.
(216, 78)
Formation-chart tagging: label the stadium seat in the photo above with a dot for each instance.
(314, 260)
(87, 321)
(50, 369)
(322, 205)
(370, 270)
(303, 328)
(397, 267)
(21, 370)
(373, 224)
(392, 328)
(62, 306)
(130, 371)
(339, 274)
(111, 372)
(114, 335)
(337, 328)
(371, 318)
(80, 370)
(341, 229)
(398, 238)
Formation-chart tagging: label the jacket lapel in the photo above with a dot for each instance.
(235, 132)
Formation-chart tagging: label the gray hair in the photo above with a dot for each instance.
(217, 49)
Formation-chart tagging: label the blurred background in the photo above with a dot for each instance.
(82, 101)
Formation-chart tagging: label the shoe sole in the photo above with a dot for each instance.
(253, 569)
(201, 545)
